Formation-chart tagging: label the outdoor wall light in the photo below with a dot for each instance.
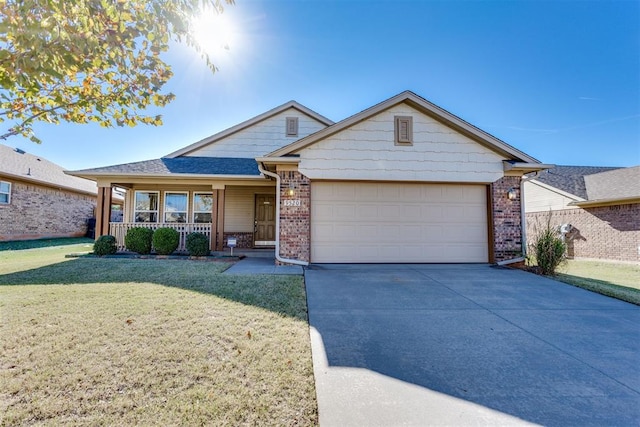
(291, 191)
(512, 194)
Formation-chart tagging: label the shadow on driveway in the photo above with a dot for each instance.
(469, 344)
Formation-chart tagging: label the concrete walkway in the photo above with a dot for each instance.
(469, 345)
(260, 264)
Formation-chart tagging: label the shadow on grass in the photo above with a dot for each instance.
(284, 295)
(43, 243)
(602, 287)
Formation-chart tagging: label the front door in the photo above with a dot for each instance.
(265, 223)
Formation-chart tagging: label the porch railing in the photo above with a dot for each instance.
(119, 230)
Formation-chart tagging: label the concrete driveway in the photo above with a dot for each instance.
(469, 345)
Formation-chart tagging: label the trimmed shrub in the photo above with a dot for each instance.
(197, 244)
(549, 248)
(105, 245)
(138, 239)
(165, 240)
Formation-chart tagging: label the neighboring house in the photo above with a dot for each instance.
(403, 181)
(601, 205)
(38, 200)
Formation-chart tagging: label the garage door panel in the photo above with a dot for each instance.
(386, 222)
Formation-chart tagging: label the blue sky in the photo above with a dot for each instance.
(559, 80)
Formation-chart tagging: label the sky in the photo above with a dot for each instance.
(558, 80)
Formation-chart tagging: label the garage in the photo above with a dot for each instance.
(373, 222)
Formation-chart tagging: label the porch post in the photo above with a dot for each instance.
(213, 239)
(103, 211)
(220, 221)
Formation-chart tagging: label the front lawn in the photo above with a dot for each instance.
(93, 341)
(617, 280)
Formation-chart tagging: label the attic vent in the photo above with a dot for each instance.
(19, 151)
(404, 130)
(292, 126)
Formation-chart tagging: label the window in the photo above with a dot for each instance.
(175, 207)
(146, 206)
(404, 130)
(5, 193)
(292, 126)
(202, 205)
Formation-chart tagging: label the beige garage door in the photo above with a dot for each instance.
(389, 222)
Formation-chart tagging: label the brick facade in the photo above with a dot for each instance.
(244, 240)
(295, 221)
(604, 232)
(38, 212)
(506, 222)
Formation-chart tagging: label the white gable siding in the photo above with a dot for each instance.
(366, 151)
(261, 138)
(541, 199)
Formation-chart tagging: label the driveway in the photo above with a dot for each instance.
(469, 345)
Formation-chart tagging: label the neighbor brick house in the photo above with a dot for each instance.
(38, 200)
(601, 205)
(403, 181)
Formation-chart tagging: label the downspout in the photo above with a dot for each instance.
(278, 257)
(523, 218)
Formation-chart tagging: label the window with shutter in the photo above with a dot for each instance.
(292, 126)
(404, 130)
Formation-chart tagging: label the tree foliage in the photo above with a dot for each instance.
(86, 61)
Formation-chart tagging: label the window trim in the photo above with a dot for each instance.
(193, 207)
(291, 128)
(135, 211)
(8, 194)
(398, 121)
(164, 207)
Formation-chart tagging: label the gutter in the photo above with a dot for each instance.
(523, 218)
(278, 257)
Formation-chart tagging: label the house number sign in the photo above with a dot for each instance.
(289, 202)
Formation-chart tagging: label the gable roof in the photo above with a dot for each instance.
(424, 107)
(248, 123)
(615, 184)
(184, 166)
(18, 164)
(571, 179)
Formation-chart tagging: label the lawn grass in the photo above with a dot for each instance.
(94, 341)
(618, 280)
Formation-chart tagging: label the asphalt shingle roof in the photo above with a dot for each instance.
(615, 184)
(27, 167)
(183, 165)
(571, 178)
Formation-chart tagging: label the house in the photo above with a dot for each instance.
(38, 200)
(402, 181)
(598, 206)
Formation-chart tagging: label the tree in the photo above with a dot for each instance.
(86, 61)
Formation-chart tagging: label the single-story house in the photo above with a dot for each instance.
(38, 200)
(402, 181)
(596, 208)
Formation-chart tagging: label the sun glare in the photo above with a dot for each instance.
(214, 32)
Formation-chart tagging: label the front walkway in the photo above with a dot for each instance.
(468, 345)
(260, 261)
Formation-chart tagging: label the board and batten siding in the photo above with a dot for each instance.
(261, 138)
(367, 151)
(541, 199)
(239, 207)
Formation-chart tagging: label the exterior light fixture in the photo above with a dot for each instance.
(291, 191)
(512, 194)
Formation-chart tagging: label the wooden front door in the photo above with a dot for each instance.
(265, 223)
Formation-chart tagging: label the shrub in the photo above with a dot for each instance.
(105, 245)
(549, 249)
(197, 244)
(165, 240)
(138, 239)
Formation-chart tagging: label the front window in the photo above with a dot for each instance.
(5, 193)
(146, 206)
(175, 207)
(202, 206)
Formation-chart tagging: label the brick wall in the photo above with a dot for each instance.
(506, 221)
(295, 221)
(605, 232)
(244, 240)
(38, 212)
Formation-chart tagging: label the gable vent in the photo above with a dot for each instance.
(404, 129)
(292, 126)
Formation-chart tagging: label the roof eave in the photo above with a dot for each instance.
(607, 202)
(525, 167)
(50, 184)
(95, 175)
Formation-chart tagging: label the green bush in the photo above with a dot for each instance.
(105, 245)
(549, 249)
(165, 240)
(138, 239)
(197, 244)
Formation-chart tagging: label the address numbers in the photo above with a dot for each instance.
(289, 202)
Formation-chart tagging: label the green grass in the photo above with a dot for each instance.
(44, 243)
(91, 341)
(617, 280)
